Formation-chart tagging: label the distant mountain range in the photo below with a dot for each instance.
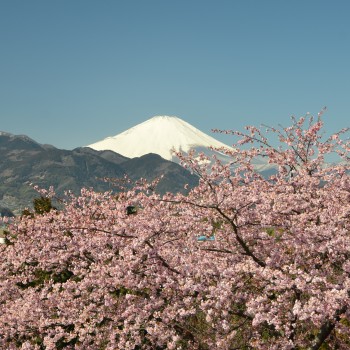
(25, 161)
(144, 151)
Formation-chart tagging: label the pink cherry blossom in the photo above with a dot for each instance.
(92, 275)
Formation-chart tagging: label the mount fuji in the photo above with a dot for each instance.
(160, 135)
(163, 134)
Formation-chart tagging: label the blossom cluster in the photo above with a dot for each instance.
(94, 274)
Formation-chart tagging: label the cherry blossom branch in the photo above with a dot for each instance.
(326, 329)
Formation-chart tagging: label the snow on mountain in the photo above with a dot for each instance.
(159, 135)
(162, 134)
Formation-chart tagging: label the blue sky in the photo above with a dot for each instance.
(73, 72)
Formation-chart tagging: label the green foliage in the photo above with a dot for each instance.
(42, 205)
(131, 210)
(28, 213)
(41, 276)
(275, 233)
(6, 235)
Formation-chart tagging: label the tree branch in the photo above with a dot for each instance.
(326, 329)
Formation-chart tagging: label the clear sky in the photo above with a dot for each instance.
(73, 72)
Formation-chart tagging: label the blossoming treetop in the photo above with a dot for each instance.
(95, 275)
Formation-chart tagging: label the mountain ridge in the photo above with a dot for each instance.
(26, 161)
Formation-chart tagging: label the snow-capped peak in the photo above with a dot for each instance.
(160, 135)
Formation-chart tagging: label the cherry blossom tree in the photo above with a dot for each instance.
(127, 271)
